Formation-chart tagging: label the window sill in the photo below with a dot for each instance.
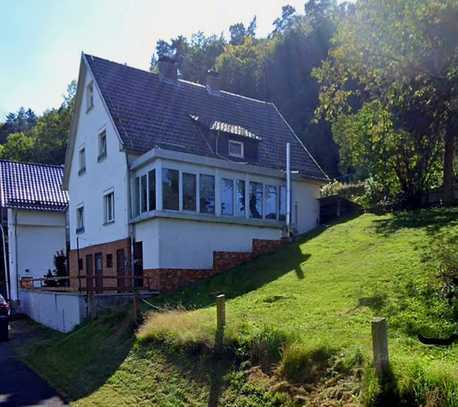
(89, 109)
(82, 171)
(79, 231)
(198, 217)
(110, 222)
(101, 158)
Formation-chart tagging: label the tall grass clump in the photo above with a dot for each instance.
(412, 383)
(181, 328)
(265, 346)
(305, 363)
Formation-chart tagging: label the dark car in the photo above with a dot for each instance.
(4, 319)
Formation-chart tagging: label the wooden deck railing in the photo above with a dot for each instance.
(94, 284)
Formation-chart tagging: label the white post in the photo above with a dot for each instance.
(288, 188)
(7, 279)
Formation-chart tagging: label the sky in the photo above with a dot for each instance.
(41, 40)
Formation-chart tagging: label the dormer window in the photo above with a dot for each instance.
(90, 96)
(102, 145)
(236, 149)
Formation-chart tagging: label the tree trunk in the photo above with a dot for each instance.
(449, 171)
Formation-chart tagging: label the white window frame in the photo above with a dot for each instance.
(80, 219)
(242, 149)
(102, 135)
(89, 96)
(107, 219)
(82, 160)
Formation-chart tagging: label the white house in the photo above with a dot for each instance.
(33, 229)
(186, 179)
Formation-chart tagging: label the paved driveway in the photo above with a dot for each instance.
(19, 385)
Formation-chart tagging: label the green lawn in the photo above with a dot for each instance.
(319, 293)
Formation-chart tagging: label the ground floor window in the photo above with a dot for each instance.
(152, 190)
(80, 219)
(170, 189)
(282, 203)
(271, 201)
(108, 207)
(189, 192)
(227, 196)
(256, 204)
(207, 193)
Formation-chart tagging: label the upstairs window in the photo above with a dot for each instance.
(256, 195)
(102, 146)
(207, 194)
(108, 207)
(170, 188)
(227, 197)
(90, 96)
(82, 161)
(80, 219)
(189, 192)
(236, 149)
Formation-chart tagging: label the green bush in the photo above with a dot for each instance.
(305, 363)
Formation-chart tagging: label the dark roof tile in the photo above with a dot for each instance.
(32, 186)
(151, 112)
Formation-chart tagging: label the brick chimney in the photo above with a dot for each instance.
(167, 68)
(213, 82)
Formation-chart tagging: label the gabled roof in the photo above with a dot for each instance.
(32, 186)
(150, 112)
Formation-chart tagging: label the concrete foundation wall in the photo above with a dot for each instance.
(64, 311)
(59, 311)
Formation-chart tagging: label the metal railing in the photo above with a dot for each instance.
(91, 284)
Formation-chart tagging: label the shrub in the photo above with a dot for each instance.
(349, 191)
(265, 346)
(305, 364)
(413, 384)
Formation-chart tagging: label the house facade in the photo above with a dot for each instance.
(33, 229)
(170, 181)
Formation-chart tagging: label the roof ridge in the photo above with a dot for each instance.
(32, 163)
(180, 80)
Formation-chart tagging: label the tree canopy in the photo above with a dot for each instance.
(398, 57)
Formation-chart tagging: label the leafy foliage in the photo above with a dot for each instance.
(391, 78)
(43, 139)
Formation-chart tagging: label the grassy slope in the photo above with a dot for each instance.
(323, 289)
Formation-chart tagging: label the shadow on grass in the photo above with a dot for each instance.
(389, 391)
(432, 220)
(247, 277)
(80, 362)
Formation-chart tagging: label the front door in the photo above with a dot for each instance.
(89, 273)
(138, 264)
(121, 269)
(98, 272)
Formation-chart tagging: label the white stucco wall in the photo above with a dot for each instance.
(305, 206)
(34, 237)
(109, 174)
(173, 243)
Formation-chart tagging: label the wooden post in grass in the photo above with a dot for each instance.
(220, 311)
(380, 346)
(220, 321)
